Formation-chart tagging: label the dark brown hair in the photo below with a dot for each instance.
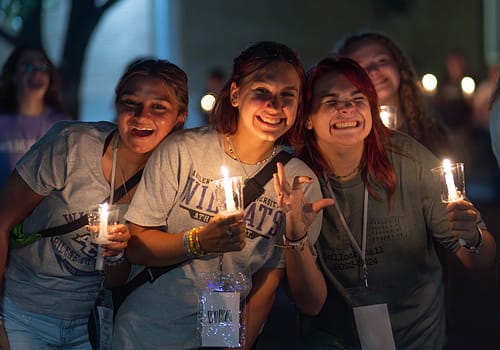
(256, 57)
(173, 77)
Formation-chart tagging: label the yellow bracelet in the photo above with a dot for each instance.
(194, 242)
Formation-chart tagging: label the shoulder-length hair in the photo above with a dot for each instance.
(253, 59)
(8, 88)
(422, 121)
(376, 167)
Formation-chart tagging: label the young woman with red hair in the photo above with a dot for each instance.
(377, 247)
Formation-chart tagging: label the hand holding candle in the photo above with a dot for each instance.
(99, 220)
(451, 179)
(229, 193)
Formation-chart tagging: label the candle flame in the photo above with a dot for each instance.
(224, 172)
(447, 164)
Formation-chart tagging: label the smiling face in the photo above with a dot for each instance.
(147, 112)
(32, 76)
(340, 114)
(380, 65)
(267, 102)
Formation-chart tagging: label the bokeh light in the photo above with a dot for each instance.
(468, 85)
(429, 82)
(207, 102)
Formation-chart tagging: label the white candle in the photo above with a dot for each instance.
(99, 260)
(103, 221)
(228, 190)
(450, 183)
(103, 234)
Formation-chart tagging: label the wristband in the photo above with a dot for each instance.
(475, 248)
(297, 244)
(191, 242)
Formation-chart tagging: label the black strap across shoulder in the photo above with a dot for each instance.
(84, 220)
(254, 187)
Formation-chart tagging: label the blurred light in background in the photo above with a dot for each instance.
(468, 85)
(207, 102)
(429, 82)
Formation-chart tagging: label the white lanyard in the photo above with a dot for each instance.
(113, 168)
(360, 251)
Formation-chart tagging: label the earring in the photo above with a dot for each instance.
(309, 125)
(234, 99)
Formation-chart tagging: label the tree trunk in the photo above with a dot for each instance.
(84, 17)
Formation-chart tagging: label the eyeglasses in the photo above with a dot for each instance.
(34, 67)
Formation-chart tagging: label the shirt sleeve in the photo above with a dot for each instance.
(44, 166)
(159, 186)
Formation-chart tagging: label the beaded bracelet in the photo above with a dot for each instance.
(185, 242)
(191, 242)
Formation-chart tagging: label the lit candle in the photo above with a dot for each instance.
(228, 191)
(450, 183)
(103, 221)
(103, 235)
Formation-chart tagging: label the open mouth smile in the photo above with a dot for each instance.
(142, 132)
(270, 121)
(346, 124)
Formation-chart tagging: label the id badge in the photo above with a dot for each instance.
(372, 319)
(220, 319)
(374, 327)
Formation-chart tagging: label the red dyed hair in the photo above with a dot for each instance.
(375, 164)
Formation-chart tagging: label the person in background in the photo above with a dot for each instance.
(495, 121)
(397, 84)
(54, 281)
(482, 96)
(30, 103)
(454, 106)
(174, 221)
(378, 242)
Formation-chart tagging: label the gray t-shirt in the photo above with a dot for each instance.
(56, 276)
(403, 267)
(175, 191)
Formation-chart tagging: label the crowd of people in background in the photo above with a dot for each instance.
(349, 218)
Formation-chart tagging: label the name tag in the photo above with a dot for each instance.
(374, 327)
(220, 319)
